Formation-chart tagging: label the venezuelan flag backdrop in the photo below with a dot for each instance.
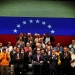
(54, 17)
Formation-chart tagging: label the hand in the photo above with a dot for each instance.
(74, 59)
(44, 54)
(34, 62)
(66, 55)
(48, 62)
(30, 54)
(7, 58)
(41, 62)
(3, 56)
(18, 58)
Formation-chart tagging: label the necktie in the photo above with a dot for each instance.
(30, 58)
(18, 55)
(48, 52)
(38, 57)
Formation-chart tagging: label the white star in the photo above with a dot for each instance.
(15, 31)
(52, 31)
(24, 22)
(18, 25)
(37, 21)
(49, 26)
(31, 21)
(43, 22)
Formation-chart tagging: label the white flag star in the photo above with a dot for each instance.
(52, 31)
(43, 22)
(37, 21)
(24, 22)
(18, 25)
(31, 21)
(49, 26)
(15, 31)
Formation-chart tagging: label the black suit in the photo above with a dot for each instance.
(11, 56)
(49, 58)
(53, 64)
(27, 60)
(18, 64)
(65, 63)
(38, 66)
(25, 39)
(51, 39)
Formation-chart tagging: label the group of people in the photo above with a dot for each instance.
(39, 54)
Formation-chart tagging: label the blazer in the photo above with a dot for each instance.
(41, 58)
(51, 39)
(65, 62)
(18, 63)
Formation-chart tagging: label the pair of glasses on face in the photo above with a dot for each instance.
(38, 50)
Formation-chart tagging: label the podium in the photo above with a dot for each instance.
(37, 69)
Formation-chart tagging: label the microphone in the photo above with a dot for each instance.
(65, 53)
(47, 62)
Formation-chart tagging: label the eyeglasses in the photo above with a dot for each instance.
(38, 50)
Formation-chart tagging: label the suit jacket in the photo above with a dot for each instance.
(53, 62)
(41, 58)
(18, 63)
(26, 58)
(51, 39)
(11, 57)
(49, 57)
(21, 45)
(25, 39)
(65, 62)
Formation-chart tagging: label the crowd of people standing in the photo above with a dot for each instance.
(40, 52)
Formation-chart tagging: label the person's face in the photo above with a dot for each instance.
(0, 44)
(58, 44)
(73, 42)
(38, 45)
(21, 34)
(17, 50)
(42, 51)
(65, 49)
(53, 51)
(38, 51)
(38, 35)
(20, 38)
(48, 48)
(49, 43)
(24, 34)
(31, 38)
(4, 51)
(19, 42)
(44, 34)
(47, 35)
(58, 49)
(27, 44)
(30, 49)
(29, 35)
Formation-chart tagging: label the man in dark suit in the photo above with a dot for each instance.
(20, 44)
(28, 56)
(38, 61)
(49, 58)
(65, 58)
(53, 63)
(48, 38)
(18, 62)
(25, 38)
(11, 57)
